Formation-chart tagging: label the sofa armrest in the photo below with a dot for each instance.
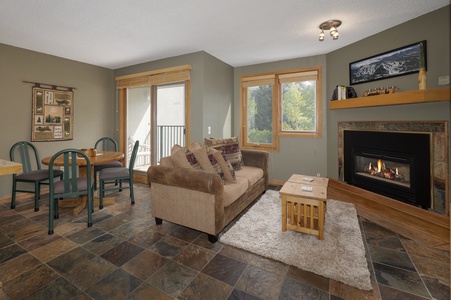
(191, 179)
(259, 159)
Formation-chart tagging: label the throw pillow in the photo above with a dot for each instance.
(200, 152)
(226, 166)
(207, 160)
(184, 158)
(229, 147)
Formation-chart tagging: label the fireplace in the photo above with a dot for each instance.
(393, 164)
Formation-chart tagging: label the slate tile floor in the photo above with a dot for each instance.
(126, 256)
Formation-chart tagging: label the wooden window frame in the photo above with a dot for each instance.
(262, 79)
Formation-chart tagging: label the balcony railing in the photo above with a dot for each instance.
(167, 136)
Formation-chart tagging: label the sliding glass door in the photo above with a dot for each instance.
(155, 117)
(139, 125)
(170, 106)
(154, 109)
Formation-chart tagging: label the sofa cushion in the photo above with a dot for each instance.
(230, 148)
(251, 174)
(233, 191)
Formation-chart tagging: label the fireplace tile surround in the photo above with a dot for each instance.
(439, 130)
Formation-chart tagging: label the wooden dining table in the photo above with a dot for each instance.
(100, 158)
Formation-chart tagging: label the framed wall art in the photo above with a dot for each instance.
(52, 115)
(397, 62)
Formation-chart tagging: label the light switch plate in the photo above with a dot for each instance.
(443, 80)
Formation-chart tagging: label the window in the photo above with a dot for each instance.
(286, 103)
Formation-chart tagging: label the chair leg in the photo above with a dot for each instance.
(56, 213)
(90, 205)
(132, 194)
(101, 192)
(51, 215)
(37, 195)
(95, 180)
(13, 196)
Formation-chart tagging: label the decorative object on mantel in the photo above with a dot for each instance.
(422, 78)
(397, 62)
(407, 97)
(52, 112)
(331, 25)
(380, 91)
(342, 92)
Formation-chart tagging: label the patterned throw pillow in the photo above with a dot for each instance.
(183, 158)
(230, 149)
(226, 166)
(192, 160)
(206, 159)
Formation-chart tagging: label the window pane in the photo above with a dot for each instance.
(299, 106)
(259, 114)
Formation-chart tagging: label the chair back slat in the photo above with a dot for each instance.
(70, 183)
(27, 155)
(106, 144)
(133, 157)
(71, 173)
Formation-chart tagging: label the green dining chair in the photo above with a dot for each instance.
(121, 175)
(71, 185)
(26, 153)
(105, 144)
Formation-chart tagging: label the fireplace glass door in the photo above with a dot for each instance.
(386, 168)
(393, 164)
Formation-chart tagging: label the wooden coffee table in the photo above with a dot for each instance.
(304, 204)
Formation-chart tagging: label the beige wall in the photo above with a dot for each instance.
(211, 91)
(94, 100)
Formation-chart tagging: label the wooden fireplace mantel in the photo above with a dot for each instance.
(410, 97)
(423, 226)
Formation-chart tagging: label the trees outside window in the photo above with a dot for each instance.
(285, 103)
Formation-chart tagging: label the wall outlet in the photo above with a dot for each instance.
(443, 80)
(209, 129)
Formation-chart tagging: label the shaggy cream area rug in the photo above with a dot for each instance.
(340, 256)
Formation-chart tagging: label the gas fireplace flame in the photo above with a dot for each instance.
(379, 169)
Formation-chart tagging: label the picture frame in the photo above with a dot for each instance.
(397, 62)
(52, 115)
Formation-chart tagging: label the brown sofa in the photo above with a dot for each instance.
(202, 200)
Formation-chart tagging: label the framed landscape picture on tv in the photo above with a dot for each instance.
(397, 62)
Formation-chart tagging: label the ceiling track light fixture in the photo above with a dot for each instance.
(331, 25)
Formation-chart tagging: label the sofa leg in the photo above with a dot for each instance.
(158, 221)
(212, 238)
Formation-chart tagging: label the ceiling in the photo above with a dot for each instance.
(119, 33)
